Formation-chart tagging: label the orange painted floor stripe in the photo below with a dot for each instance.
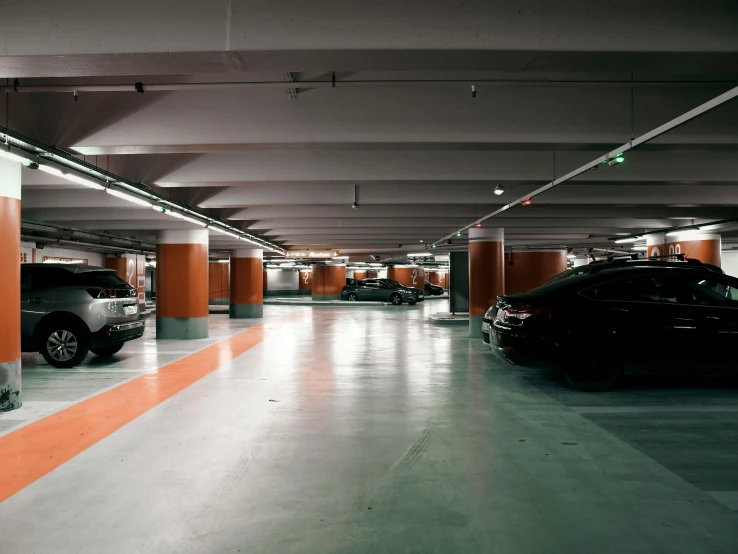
(31, 452)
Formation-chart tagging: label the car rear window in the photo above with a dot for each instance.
(104, 279)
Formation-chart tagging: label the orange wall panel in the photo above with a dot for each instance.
(328, 280)
(10, 331)
(218, 280)
(306, 280)
(372, 274)
(527, 270)
(359, 275)
(408, 276)
(706, 251)
(118, 265)
(181, 280)
(246, 282)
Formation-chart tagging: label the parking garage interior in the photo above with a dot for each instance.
(311, 208)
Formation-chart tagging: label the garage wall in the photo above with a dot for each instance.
(93, 258)
(729, 262)
(306, 282)
(282, 283)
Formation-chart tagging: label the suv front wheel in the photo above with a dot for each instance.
(64, 345)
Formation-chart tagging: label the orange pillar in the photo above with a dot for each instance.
(10, 285)
(360, 274)
(408, 275)
(372, 274)
(486, 274)
(182, 284)
(218, 283)
(704, 247)
(656, 245)
(328, 280)
(306, 282)
(247, 288)
(528, 269)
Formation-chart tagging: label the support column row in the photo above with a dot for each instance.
(486, 274)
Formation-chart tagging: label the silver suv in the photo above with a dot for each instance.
(68, 310)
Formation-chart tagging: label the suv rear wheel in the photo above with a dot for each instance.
(64, 344)
(107, 350)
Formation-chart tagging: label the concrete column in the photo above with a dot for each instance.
(486, 274)
(656, 245)
(528, 269)
(182, 284)
(408, 275)
(704, 247)
(247, 287)
(306, 282)
(328, 280)
(10, 285)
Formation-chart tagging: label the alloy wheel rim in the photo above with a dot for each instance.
(352, 297)
(396, 300)
(62, 345)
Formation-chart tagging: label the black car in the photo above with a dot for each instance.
(433, 290)
(601, 321)
(383, 290)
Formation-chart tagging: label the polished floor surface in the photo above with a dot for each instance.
(363, 430)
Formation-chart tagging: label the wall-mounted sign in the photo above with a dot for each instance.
(312, 254)
(26, 255)
(58, 260)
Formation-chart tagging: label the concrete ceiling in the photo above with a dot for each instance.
(558, 83)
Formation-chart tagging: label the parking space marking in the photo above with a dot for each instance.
(653, 409)
(32, 451)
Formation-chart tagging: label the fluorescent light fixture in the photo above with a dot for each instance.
(224, 232)
(640, 248)
(499, 189)
(683, 232)
(128, 197)
(631, 239)
(82, 181)
(376, 265)
(222, 261)
(50, 170)
(571, 256)
(13, 157)
(185, 218)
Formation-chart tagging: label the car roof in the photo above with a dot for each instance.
(72, 268)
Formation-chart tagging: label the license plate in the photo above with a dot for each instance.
(130, 310)
(485, 327)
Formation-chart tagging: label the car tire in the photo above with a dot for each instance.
(352, 297)
(396, 299)
(593, 376)
(107, 350)
(64, 344)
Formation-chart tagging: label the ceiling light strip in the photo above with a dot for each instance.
(129, 191)
(658, 131)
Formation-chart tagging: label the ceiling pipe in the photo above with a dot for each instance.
(355, 83)
(615, 155)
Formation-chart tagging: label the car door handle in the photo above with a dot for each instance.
(37, 300)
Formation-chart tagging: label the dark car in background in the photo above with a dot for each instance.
(69, 310)
(433, 290)
(608, 319)
(381, 290)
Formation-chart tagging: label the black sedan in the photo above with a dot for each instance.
(433, 290)
(382, 290)
(607, 319)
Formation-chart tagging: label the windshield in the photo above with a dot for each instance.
(392, 283)
(573, 272)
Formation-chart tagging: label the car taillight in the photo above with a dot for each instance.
(522, 312)
(110, 293)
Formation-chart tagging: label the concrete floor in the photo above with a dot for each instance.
(372, 430)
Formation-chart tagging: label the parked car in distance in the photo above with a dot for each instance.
(601, 321)
(68, 310)
(433, 290)
(382, 290)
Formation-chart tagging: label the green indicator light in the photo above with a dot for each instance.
(620, 159)
(433, 246)
(458, 233)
